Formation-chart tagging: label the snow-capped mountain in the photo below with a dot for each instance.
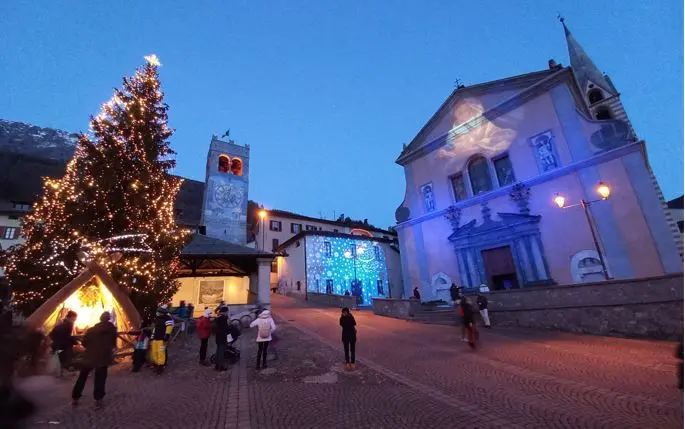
(31, 140)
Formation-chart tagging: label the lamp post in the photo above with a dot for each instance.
(604, 192)
(262, 216)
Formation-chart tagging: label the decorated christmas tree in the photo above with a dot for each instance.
(116, 196)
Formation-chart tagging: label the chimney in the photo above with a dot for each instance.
(552, 63)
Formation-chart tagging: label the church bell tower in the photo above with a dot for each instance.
(224, 206)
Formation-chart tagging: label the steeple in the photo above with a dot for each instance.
(585, 70)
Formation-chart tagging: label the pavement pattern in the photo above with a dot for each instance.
(409, 375)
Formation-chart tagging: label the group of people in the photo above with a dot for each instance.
(97, 346)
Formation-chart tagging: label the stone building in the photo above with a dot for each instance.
(482, 177)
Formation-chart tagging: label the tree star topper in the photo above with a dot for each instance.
(153, 60)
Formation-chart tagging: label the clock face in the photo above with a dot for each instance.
(227, 195)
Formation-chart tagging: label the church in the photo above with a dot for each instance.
(537, 179)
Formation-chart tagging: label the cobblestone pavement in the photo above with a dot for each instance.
(409, 376)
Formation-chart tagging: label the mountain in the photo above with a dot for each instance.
(33, 141)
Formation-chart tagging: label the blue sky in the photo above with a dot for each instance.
(326, 92)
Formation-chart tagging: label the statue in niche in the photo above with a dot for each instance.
(428, 198)
(544, 150)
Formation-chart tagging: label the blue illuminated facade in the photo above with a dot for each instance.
(339, 264)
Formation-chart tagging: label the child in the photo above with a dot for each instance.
(204, 331)
(265, 326)
(349, 338)
(140, 349)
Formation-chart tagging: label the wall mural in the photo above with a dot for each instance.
(428, 197)
(545, 151)
(332, 267)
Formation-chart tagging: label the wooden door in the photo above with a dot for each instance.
(499, 264)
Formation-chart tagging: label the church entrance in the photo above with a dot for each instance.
(500, 269)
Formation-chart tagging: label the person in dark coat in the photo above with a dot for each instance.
(222, 329)
(417, 294)
(63, 341)
(349, 338)
(99, 341)
(468, 327)
(454, 293)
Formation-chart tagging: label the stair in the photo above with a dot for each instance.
(439, 316)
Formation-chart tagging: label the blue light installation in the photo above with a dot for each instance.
(339, 264)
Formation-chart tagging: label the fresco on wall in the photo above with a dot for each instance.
(545, 151)
(211, 292)
(332, 267)
(479, 136)
(428, 197)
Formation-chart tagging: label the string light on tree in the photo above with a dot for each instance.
(116, 196)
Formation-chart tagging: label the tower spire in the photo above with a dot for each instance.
(585, 70)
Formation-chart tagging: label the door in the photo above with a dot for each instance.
(500, 269)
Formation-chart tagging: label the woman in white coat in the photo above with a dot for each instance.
(265, 326)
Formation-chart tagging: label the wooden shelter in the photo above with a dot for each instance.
(91, 293)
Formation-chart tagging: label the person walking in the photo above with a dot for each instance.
(468, 327)
(417, 294)
(349, 338)
(265, 327)
(161, 332)
(100, 342)
(204, 330)
(63, 340)
(222, 330)
(482, 302)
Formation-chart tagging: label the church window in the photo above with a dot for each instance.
(479, 173)
(603, 113)
(458, 187)
(595, 96)
(237, 166)
(224, 163)
(504, 170)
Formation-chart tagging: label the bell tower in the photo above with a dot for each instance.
(224, 206)
(601, 96)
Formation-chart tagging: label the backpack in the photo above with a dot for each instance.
(264, 331)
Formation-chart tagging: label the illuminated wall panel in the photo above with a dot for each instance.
(339, 264)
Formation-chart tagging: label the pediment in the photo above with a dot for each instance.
(512, 222)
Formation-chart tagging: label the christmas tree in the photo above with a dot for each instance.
(116, 196)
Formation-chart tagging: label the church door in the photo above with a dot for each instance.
(500, 268)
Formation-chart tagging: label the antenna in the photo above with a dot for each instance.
(560, 18)
(458, 83)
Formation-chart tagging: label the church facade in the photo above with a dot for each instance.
(499, 179)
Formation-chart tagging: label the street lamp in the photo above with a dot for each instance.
(262, 216)
(604, 192)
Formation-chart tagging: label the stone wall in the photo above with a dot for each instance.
(398, 308)
(650, 307)
(330, 300)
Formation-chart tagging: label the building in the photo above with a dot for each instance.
(482, 177)
(278, 226)
(224, 206)
(327, 262)
(675, 208)
(315, 255)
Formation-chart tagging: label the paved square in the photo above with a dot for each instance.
(409, 376)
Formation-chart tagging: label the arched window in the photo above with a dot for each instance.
(479, 174)
(224, 164)
(237, 166)
(603, 113)
(595, 95)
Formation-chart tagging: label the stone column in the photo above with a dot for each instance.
(264, 282)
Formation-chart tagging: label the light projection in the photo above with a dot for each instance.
(339, 264)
